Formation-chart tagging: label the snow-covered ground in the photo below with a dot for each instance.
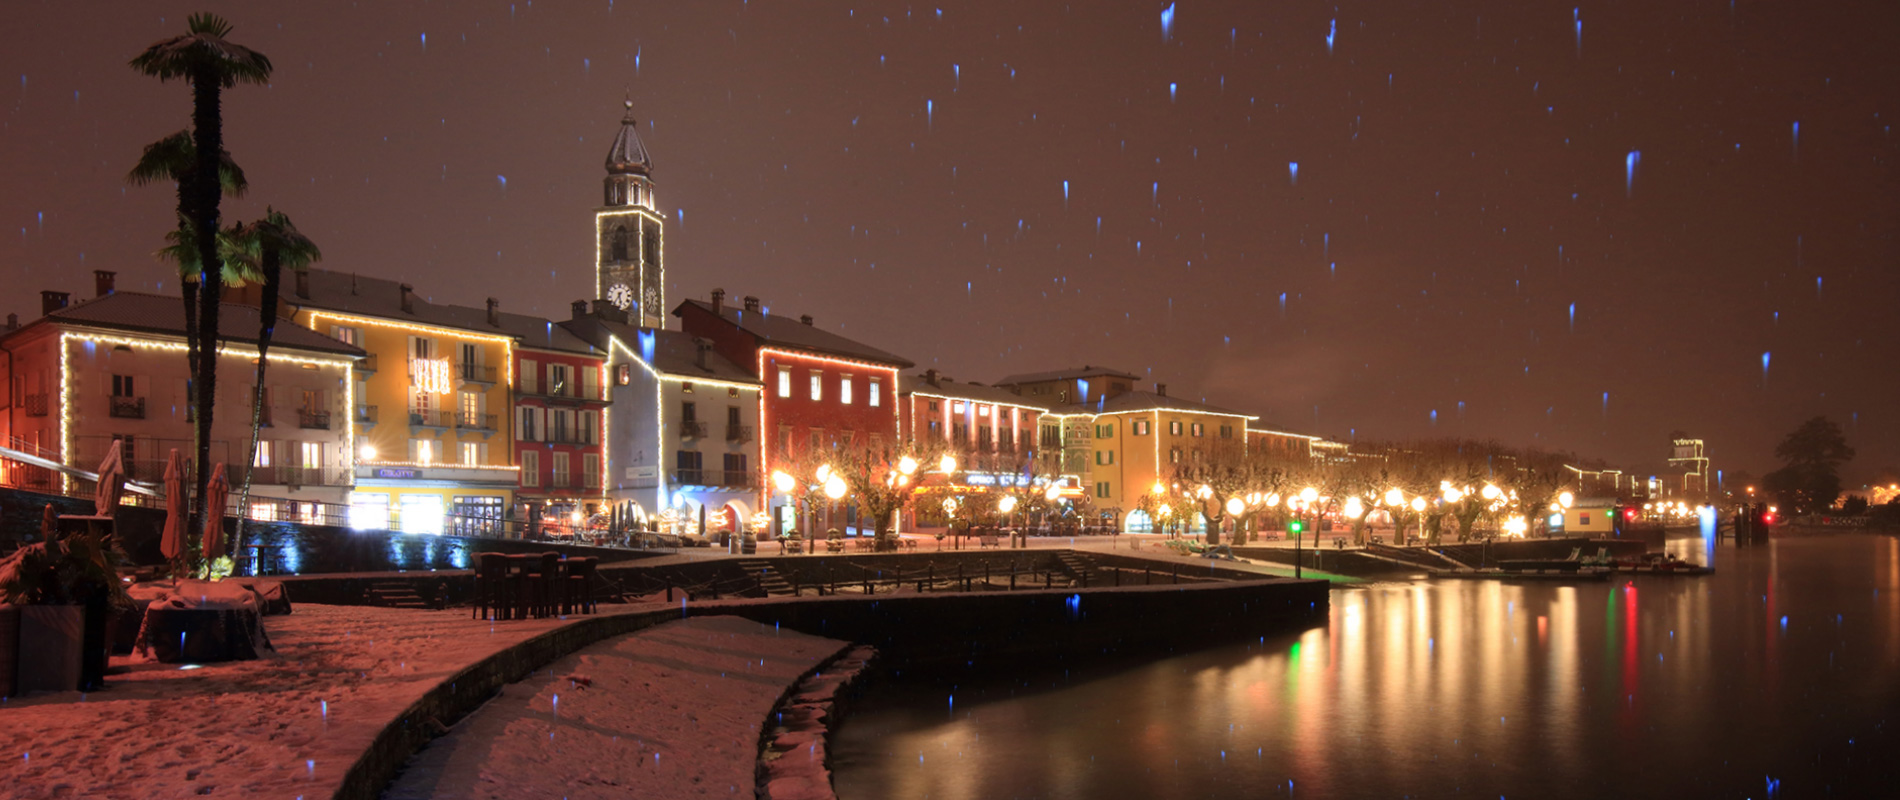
(284, 726)
(672, 711)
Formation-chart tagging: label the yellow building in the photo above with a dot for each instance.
(1121, 440)
(433, 429)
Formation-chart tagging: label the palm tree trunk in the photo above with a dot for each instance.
(266, 324)
(208, 136)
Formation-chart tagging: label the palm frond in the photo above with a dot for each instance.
(204, 47)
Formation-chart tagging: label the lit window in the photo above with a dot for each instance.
(785, 381)
(844, 389)
(982, 411)
(877, 393)
(817, 384)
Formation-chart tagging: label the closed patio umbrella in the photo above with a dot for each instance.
(215, 494)
(173, 541)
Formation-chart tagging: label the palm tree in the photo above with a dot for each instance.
(268, 246)
(174, 158)
(211, 64)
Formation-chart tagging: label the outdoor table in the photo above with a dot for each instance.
(200, 635)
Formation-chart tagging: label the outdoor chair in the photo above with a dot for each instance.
(578, 590)
(491, 586)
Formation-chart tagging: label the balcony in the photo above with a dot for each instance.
(562, 480)
(565, 393)
(725, 478)
(690, 429)
(35, 405)
(127, 407)
(569, 437)
(420, 418)
(470, 421)
(313, 420)
(475, 373)
(365, 416)
(738, 433)
(366, 364)
(300, 476)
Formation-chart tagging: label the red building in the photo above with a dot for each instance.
(974, 418)
(822, 391)
(560, 402)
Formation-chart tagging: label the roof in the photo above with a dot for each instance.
(541, 333)
(380, 297)
(787, 332)
(1275, 430)
(165, 316)
(628, 156)
(1127, 402)
(674, 352)
(1084, 371)
(907, 384)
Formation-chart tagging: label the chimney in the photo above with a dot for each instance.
(13, 322)
(494, 315)
(53, 301)
(1161, 389)
(751, 304)
(102, 280)
(719, 301)
(303, 283)
(408, 298)
(805, 318)
(930, 376)
(580, 308)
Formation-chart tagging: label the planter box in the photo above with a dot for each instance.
(9, 649)
(50, 645)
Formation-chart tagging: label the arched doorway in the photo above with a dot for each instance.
(1138, 521)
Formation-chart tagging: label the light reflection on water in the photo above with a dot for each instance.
(1651, 686)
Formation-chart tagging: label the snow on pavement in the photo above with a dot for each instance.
(286, 725)
(671, 711)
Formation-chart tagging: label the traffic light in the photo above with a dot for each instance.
(1295, 527)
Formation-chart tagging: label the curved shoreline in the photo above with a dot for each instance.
(802, 719)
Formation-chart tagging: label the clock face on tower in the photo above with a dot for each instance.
(653, 300)
(620, 296)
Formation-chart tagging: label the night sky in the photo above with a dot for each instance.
(1469, 245)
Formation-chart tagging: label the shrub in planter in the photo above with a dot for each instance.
(65, 588)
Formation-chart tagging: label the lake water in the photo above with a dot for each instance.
(1779, 676)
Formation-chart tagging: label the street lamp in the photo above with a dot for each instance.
(948, 464)
(1418, 507)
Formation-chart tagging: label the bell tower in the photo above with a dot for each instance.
(628, 270)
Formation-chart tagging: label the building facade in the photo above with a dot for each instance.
(112, 369)
(559, 423)
(433, 432)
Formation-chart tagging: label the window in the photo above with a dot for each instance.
(590, 470)
(263, 454)
(933, 406)
(982, 411)
(1174, 427)
(349, 335)
(1051, 436)
(589, 430)
(732, 391)
(424, 451)
(785, 439)
(563, 478)
(471, 453)
(530, 468)
(623, 374)
(312, 453)
(561, 426)
(369, 511)
(122, 386)
(1006, 438)
(956, 407)
(530, 376)
(844, 389)
(686, 387)
(526, 428)
(735, 470)
(1197, 429)
(1174, 455)
(876, 398)
(1141, 427)
(1104, 458)
(558, 380)
(933, 427)
(785, 381)
(817, 438)
(732, 417)
(688, 462)
(1226, 431)
(1108, 431)
(1101, 489)
(421, 513)
(817, 384)
(689, 413)
(983, 437)
(850, 437)
(475, 516)
(471, 355)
